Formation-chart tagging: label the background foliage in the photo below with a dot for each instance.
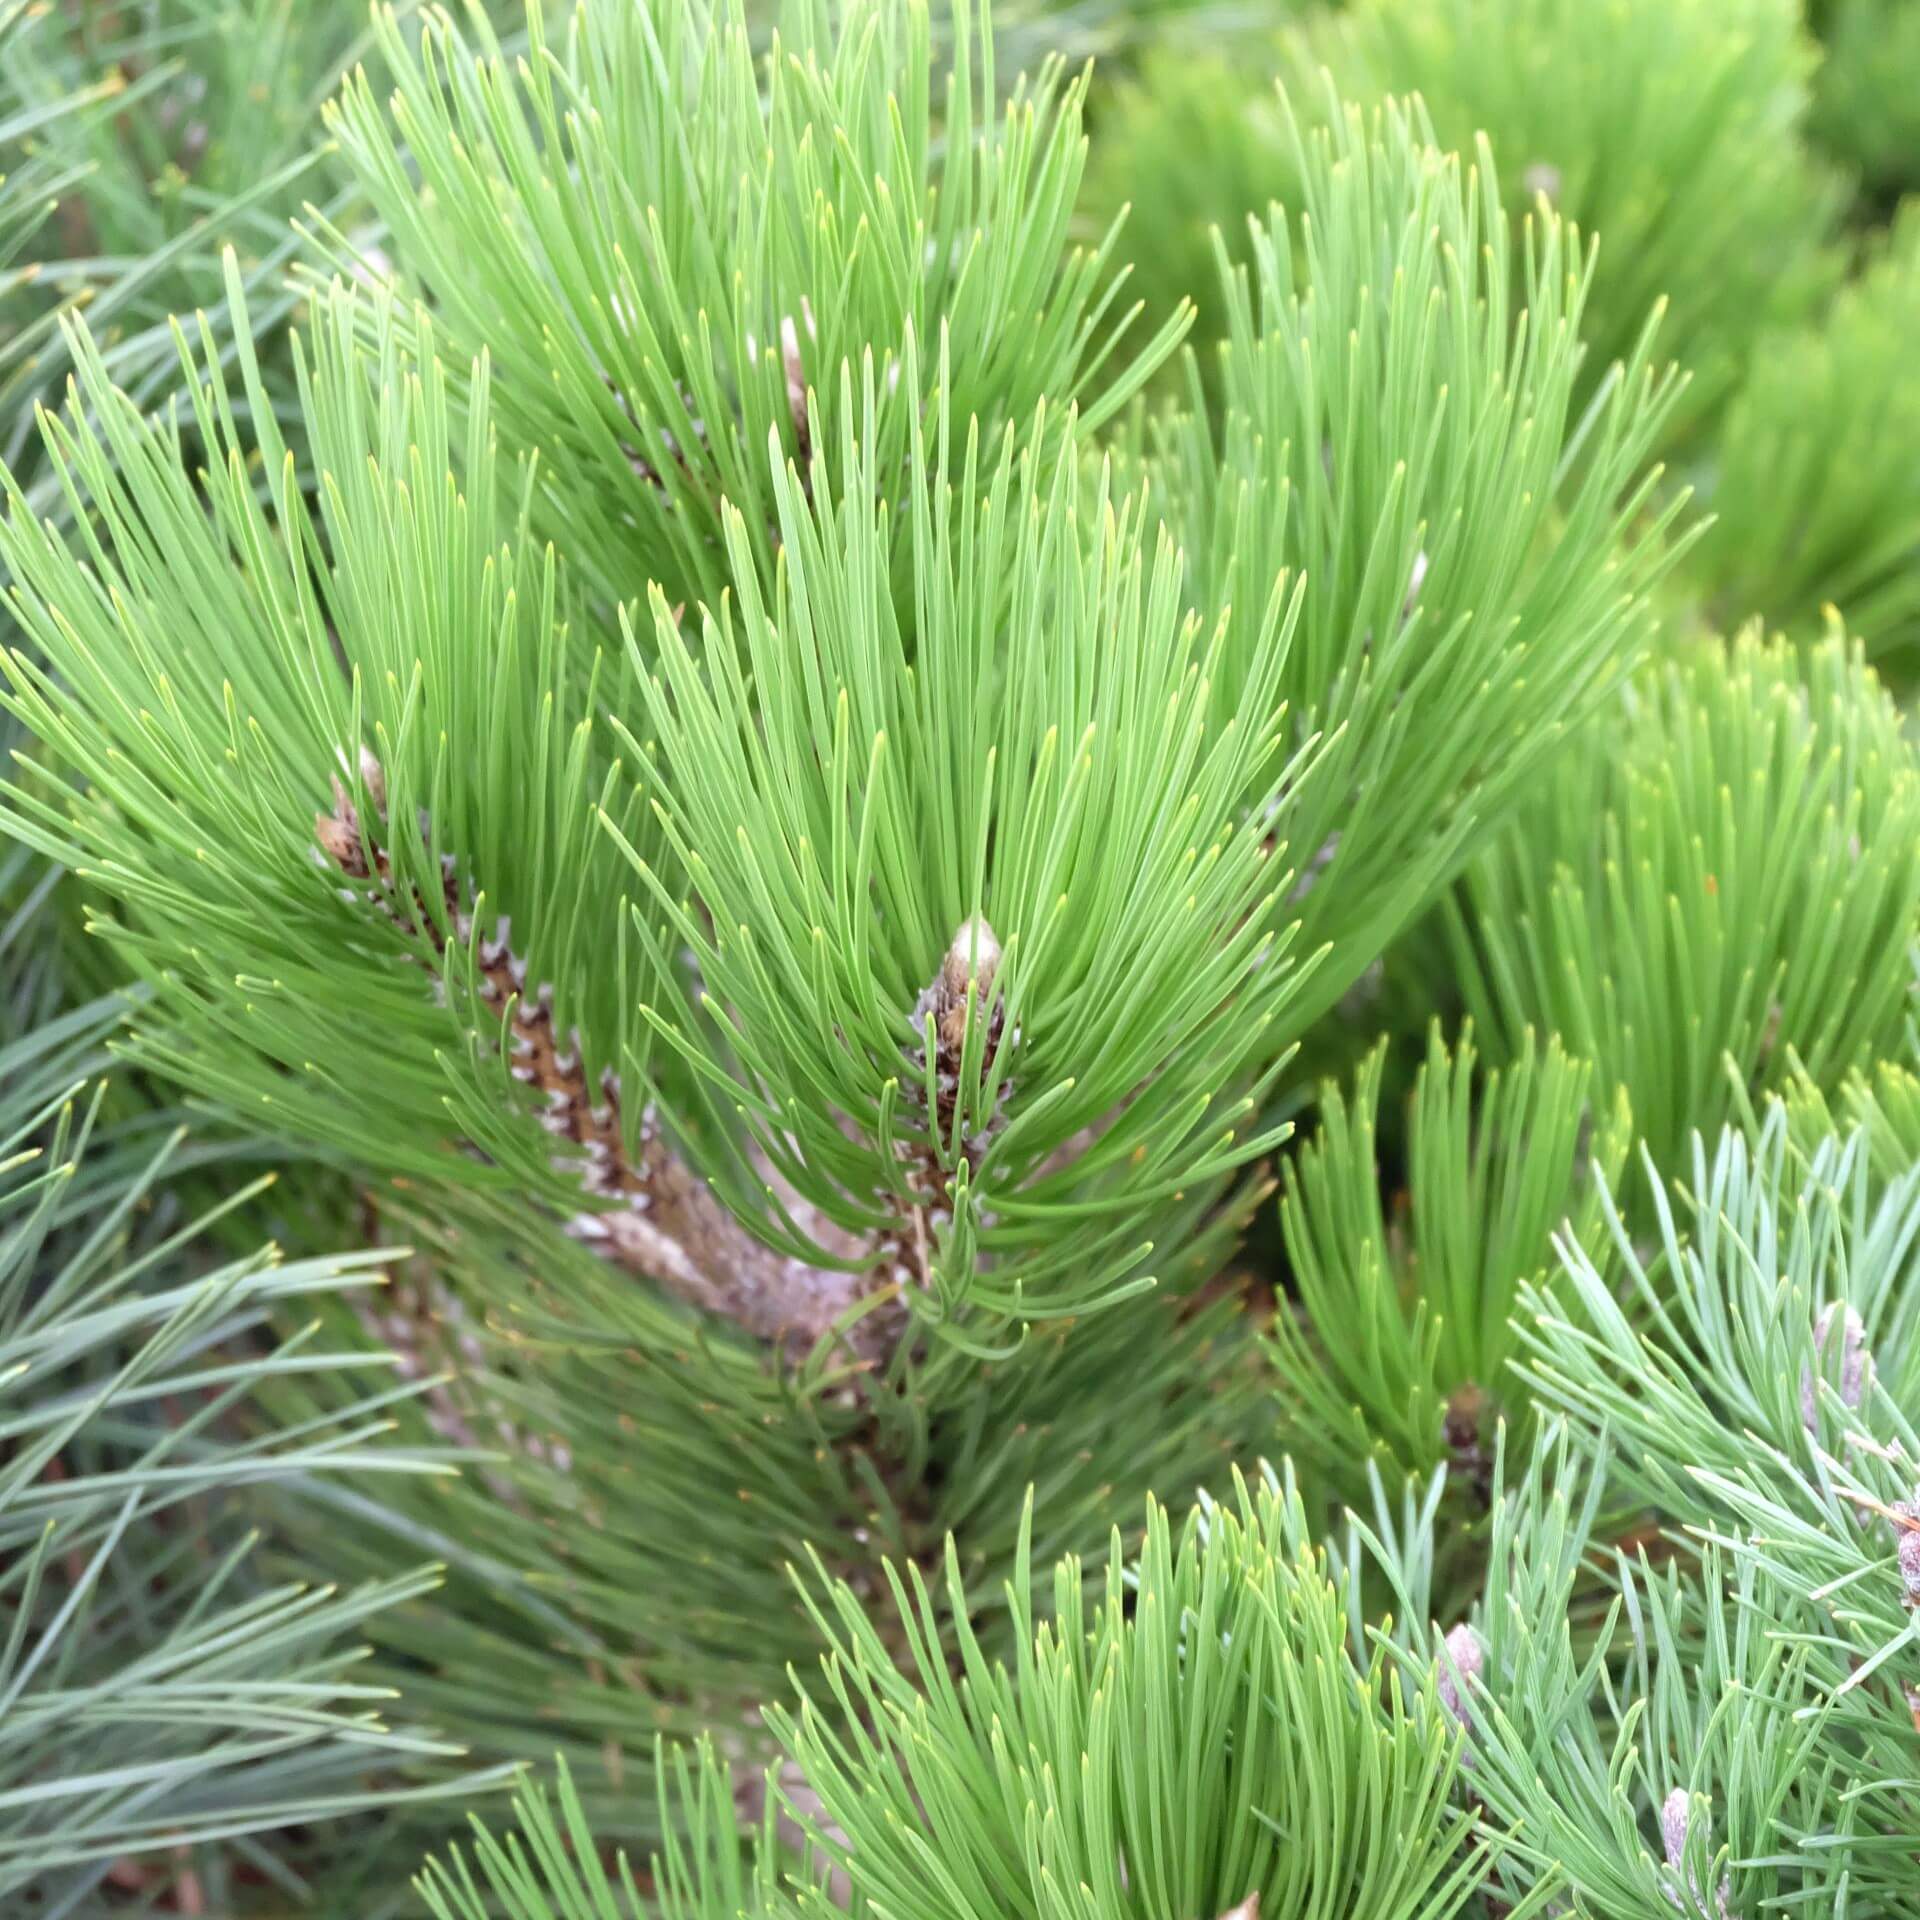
(982, 812)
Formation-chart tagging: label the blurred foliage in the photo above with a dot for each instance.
(1866, 108)
(1815, 483)
(1673, 130)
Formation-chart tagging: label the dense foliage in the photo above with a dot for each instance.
(978, 810)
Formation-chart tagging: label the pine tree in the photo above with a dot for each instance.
(1684, 1685)
(810, 1001)
(943, 923)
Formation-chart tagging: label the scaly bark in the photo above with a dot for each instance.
(650, 1211)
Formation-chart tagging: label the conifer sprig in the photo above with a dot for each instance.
(1401, 429)
(1402, 1336)
(1769, 1315)
(162, 1692)
(1012, 1048)
(616, 1565)
(667, 244)
(990, 1133)
(1816, 493)
(1632, 1722)
(1674, 131)
(155, 136)
(1690, 1674)
(1194, 1735)
(1718, 880)
(1108, 1087)
(222, 620)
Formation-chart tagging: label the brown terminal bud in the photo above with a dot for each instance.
(1909, 1558)
(1460, 1424)
(975, 954)
(338, 833)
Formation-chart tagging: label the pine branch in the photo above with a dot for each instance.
(723, 1031)
(1635, 1728)
(1197, 1734)
(569, 215)
(1817, 504)
(1772, 1314)
(1674, 134)
(1718, 882)
(1402, 1340)
(160, 1694)
(1401, 438)
(1734, 1673)
(661, 1220)
(616, 1567)
(159, 135)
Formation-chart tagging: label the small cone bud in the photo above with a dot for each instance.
(374, 779)
(338, 833)
(796, 372)
(337, 843)
(1416, 579)
(974, 956)
(1856, 1363)
(1909, 1554)
(1675, 1817)
(974, 951)
(1463, 1661)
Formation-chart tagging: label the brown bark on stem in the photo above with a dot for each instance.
(653, 1214)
